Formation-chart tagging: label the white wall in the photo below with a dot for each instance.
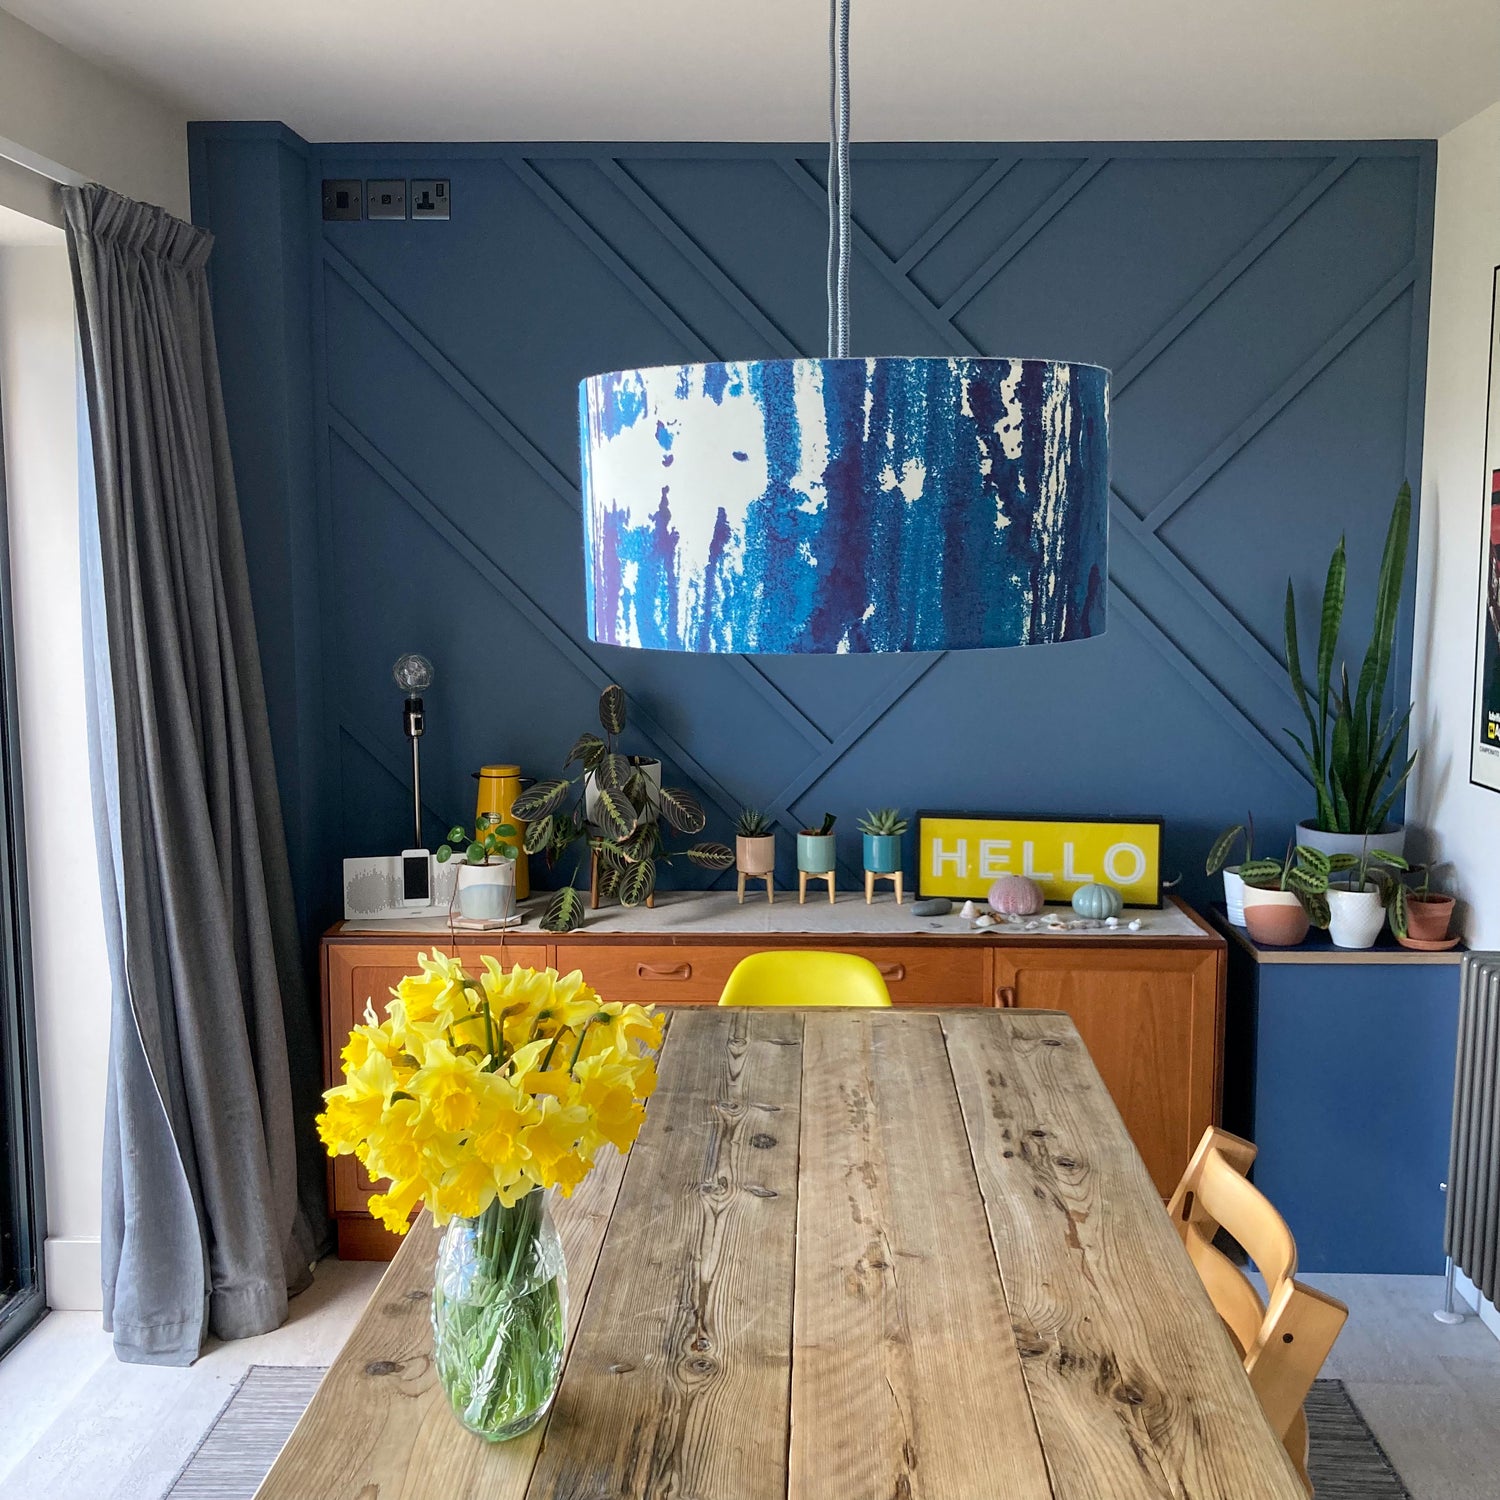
(1462, 821)
(58, 111)
(39, 395)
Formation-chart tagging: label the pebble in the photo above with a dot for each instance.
(933, 906)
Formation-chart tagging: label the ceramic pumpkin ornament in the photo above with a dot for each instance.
(1015, 895)
(1097, 902)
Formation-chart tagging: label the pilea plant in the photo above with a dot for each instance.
(628, 809)
(491, 841)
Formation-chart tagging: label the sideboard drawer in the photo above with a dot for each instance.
(933, 976)
(652, 974)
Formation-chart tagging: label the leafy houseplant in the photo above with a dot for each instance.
(754, 843)
(1351, 743)
(628, 806)
(882, 832)
(1218, 859)
(487, 875)
(1284, 897)
(475, 1095)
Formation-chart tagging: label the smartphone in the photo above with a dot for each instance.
(416, 877)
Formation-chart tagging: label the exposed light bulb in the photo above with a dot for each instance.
(413, 674)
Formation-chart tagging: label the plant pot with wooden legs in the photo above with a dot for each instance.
(882, 833)
(755, 851)
(817, 856)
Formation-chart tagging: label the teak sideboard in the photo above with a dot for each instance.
(1148, 1005)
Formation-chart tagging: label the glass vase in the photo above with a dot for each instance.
(499, 1316)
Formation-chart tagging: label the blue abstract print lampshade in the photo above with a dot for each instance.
(836, 505)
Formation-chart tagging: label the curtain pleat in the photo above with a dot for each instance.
(213, 1184)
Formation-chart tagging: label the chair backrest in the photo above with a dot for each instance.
(787, 976)
(1285, 1339)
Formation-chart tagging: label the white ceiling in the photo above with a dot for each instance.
(756, 69)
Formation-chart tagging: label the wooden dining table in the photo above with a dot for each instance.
(854, 1255)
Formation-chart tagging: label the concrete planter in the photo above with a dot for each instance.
(1391, 838)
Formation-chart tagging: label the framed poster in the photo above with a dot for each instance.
(961, 855)
(1484, 764)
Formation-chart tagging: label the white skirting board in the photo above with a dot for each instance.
(72, 1271)
(1488, 1313)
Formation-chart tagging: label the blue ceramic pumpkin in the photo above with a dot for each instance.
(1096, 902)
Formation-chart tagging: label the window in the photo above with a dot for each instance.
(21, 1297)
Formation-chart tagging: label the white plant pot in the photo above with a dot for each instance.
(487, 893)
(1234, 898)
(1391, 838)
(1355, 917)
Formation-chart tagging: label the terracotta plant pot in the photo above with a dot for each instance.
(1428, 919)
(1275, 918)
(755, 856)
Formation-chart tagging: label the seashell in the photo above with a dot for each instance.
(1015, 893)
(1134, 924)
(1097, 900)
(968, 911)
(1111, 921)
(984, 920)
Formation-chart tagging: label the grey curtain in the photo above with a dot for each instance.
(210, 1219)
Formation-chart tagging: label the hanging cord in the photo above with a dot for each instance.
(838, 181)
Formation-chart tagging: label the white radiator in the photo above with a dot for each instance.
(1471, 1234)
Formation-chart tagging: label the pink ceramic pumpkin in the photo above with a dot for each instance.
(1015, 895)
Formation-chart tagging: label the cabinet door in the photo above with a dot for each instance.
(358, 973)
(1152, 1021)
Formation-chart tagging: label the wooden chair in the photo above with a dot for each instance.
(1283, 1340)
(787, 976)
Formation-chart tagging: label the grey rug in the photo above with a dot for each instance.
(238, 1450)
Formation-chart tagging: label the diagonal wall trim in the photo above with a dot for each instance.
(694, 345)
(937, 231)
(1227, 709)
(475, 399)
(777, 339)
(1016, 242)
(566, 490)
(1273, 405)
(1226, 276)
(512, 592)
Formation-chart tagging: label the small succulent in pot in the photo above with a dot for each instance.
(615, 804)
(815, 847)
(754, 843)
(882, 832)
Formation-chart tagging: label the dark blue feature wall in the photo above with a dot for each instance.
(402, 398)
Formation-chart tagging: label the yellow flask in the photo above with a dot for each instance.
(499, 786)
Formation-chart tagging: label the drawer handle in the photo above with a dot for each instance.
(664, 971)
(892, 971)
(1005, 996)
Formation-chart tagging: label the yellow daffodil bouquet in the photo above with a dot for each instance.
(473, 1095)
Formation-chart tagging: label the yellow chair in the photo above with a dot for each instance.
(1284, 1340)
(793, 977)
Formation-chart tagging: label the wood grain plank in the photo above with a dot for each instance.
(1136, 1388)
(905, 1380)
(380, 1425)
(678, 1383)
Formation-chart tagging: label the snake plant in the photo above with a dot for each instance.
(1352, 743)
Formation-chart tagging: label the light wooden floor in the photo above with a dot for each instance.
(77, 1425)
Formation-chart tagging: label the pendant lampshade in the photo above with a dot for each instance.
(834, 505)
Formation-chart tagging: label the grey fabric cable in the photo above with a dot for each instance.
(838, 180)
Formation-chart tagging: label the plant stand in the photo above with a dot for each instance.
(594, 901)
(871, 876)
(768, 877)
(803, 876)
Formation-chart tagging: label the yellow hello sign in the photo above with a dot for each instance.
(963, 856)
